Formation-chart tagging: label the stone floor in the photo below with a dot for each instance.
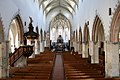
(58, 71)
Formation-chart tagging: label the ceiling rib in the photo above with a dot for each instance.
(59, 7)
(65, 4)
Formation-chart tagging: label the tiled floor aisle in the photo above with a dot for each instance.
(58, 71)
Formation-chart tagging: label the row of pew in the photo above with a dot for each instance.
(38, 68)
(78, 68)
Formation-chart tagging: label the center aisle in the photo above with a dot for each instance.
(58, 71)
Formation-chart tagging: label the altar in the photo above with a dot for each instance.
(59, 44)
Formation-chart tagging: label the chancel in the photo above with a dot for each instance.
(59, 39)
(60, 44)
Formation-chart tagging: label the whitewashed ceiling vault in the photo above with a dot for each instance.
(51, 5)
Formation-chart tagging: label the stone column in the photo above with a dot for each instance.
(96, 53)
(71, 44)
(36, 47)
(85, 50)
(74, 45)
(111, 59)
(41, 46)
(80, 48)
(4, 68)
(93, 51)
(77, 46)
(45, 44)
(7, 56)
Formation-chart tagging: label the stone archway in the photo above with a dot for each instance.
(114, 52)
(98, 30)
(115, 26)
(16, 31)
(60, 25)
(98, 38)
(86, 42)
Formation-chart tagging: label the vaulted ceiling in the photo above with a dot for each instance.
(50, 5)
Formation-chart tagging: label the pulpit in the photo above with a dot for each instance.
(31, 36)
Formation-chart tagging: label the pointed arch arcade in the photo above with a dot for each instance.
(86, 42)
(98, 39)
(115, 26)
(15, 34)
(98, 30)
(1, 32)
(60, 25)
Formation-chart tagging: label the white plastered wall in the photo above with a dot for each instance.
(87, 11)
(25, 8)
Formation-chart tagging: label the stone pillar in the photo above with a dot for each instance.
(45, 44)
(111, 59)
(42, 46)
(39, 47)
(77, 46)
(7, 56)
(36, 47)
(74, 45)
(4, 68)
(71, 44)
(96, 53)
(85, 51)
(93, 51)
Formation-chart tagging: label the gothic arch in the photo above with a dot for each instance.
(115, 26)
(1, 32)
(97, 30)
(98, 38)
(16, 31)
(60, 25)
(21, 27)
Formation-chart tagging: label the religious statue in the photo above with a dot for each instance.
(30, 19)
(30, 24)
